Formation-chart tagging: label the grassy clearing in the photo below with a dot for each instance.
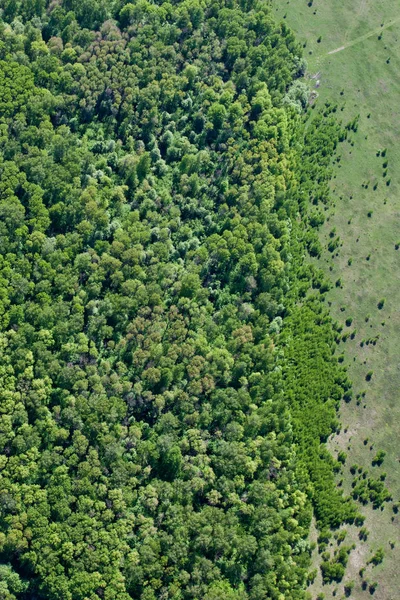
(364, 79)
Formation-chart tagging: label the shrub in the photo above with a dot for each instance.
(381, 303)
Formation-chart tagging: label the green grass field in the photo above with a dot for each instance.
(364, 79)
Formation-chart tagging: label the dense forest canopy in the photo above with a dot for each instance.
(167, 367)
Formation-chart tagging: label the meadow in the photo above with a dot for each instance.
(353, 55)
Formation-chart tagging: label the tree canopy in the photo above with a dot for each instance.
(167, 374)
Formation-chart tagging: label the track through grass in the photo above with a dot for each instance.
(362, 38)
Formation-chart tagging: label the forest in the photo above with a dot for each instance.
(168, 367)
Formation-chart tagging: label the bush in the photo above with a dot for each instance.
(348, 588)
(381, 303)
(378, 458)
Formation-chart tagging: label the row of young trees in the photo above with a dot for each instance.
(167, 376)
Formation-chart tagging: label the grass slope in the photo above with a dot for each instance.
(364, 77)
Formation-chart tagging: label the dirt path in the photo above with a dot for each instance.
(337, 50)
(376, 31)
